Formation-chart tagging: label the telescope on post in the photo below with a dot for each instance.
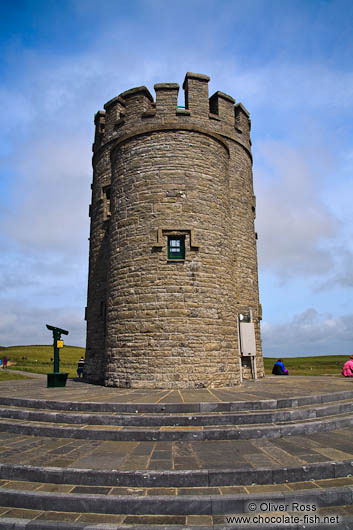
(58, 330)
(57, 378)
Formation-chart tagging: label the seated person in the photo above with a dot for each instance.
(279, 368)
(348, 367)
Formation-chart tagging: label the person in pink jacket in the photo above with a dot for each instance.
(348, 368)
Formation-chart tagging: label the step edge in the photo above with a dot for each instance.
(238, 433)
(164, 505)
(205, 478)
(292, 402)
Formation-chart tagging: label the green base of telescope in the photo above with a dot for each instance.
(56, 379)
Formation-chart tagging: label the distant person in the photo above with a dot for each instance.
(4, 361)
(279, 368)
(81, 368)
(347, 370)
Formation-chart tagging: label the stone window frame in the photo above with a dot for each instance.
(163, 235)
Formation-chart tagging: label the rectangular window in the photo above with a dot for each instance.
(106, 191)
(176, 247)
(106, 199)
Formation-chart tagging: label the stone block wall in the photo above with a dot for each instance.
(161, 171)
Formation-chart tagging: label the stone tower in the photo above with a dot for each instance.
(173, 286)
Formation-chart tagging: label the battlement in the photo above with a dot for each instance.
(136, 108)
(196, 94)
(99, 122)
(166, 98)
(223, 106)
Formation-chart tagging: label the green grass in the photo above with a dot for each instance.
(36, 359)
(7, 375)
(318, 365)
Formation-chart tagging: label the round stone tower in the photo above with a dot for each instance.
(173, 290)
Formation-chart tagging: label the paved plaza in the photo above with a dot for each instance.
(52, 447)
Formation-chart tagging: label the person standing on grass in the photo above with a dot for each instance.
(4, 361)
(347, 370)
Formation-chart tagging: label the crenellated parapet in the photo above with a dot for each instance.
(196, 94)
(222, 106)
(166, 99)
(135, 110)
(115, 111)
(242, 119)
(99, 122)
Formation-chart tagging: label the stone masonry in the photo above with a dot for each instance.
(173, 261)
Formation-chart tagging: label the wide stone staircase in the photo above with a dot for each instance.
(281, 457)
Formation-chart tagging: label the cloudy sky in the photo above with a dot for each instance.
(288, 61)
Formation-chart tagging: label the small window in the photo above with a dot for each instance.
(176, 247)
(107, 192)
(102, 309)
(106, 199)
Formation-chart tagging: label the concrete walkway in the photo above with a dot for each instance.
(183, 481)
(267, 388)
(294, 450)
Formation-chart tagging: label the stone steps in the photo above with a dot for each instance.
(18, 519)
(173, 433)
(306, 412)
(138, 497)
(84, 464)
(205, 478)
(191, 407)
(179, 501)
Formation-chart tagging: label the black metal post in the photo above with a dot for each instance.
(56, 337)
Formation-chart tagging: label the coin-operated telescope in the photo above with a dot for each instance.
(57, 378)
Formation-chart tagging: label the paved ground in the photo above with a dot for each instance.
(69, 453)
(288, 451)
(228, 454)
(182, 520)
(141, 492)
(267, 388)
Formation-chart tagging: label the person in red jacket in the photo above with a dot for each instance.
(348, 368)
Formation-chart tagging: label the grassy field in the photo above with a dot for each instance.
(319, 365)
(36, 359)
(7, 375)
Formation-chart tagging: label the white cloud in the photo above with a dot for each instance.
(51, 196)
(308, 333)
(296, 227)
(26, 324)
(342, 276)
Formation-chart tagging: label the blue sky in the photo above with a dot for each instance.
(289, 62)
